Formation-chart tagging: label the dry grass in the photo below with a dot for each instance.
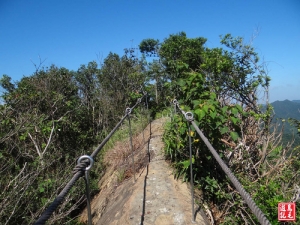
(119, 157)
(121, 152)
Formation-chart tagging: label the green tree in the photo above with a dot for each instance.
(5, 82)
(221, 91)
(296, 123)
(180, 53)
(177, 55)
(149, 47)
(86, 78)
(121, 79)
(44, 126)
(88, 85)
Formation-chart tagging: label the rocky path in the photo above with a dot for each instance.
(155, 198)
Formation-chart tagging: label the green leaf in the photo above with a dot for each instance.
(23, 137)
(196, 102)
(181, 82)
(239, 108)
(213, 114)
(224, 109)
(234, 111)
(234, 136)
(182, 130)
(213, 96)
(200, 113)
(234, 120)
(185, 164)
(205, 108)
(224, 130)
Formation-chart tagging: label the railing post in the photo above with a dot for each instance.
(143, 128)
(128, 111)
(148, 115)
(189, 117)
(87, 185)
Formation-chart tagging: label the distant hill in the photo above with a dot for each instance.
(287, 109)
(284, 110)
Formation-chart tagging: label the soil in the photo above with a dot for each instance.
(152, 196)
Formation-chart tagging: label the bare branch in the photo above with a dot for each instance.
(49, 139)
(36, 145)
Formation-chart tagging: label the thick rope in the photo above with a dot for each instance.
(58, 200)
(97, 150)
(255, 209)
(257, 212)
(79, 172)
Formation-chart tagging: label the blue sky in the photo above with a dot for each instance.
(69, 33)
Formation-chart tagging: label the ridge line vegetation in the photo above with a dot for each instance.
(55, 115)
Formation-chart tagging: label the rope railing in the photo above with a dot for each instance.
(246, 196)
(84, 164)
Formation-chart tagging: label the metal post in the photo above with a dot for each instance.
(143, 125)
(88, 198)
(148, 116)
(192, 177)
(174, 109)
(175, 102)
(128, 110)
(86, 179)
(190, 117)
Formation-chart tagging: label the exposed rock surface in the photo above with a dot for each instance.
(154, 198)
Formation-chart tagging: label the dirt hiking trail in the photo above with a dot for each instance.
(155, 198)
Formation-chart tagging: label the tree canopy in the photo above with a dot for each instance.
(50, 118)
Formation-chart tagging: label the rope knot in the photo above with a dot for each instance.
(189, 116)
(175, 102)
(128, 111)
(84, 163)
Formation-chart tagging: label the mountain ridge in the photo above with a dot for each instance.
(287, 109)
(283, 110)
